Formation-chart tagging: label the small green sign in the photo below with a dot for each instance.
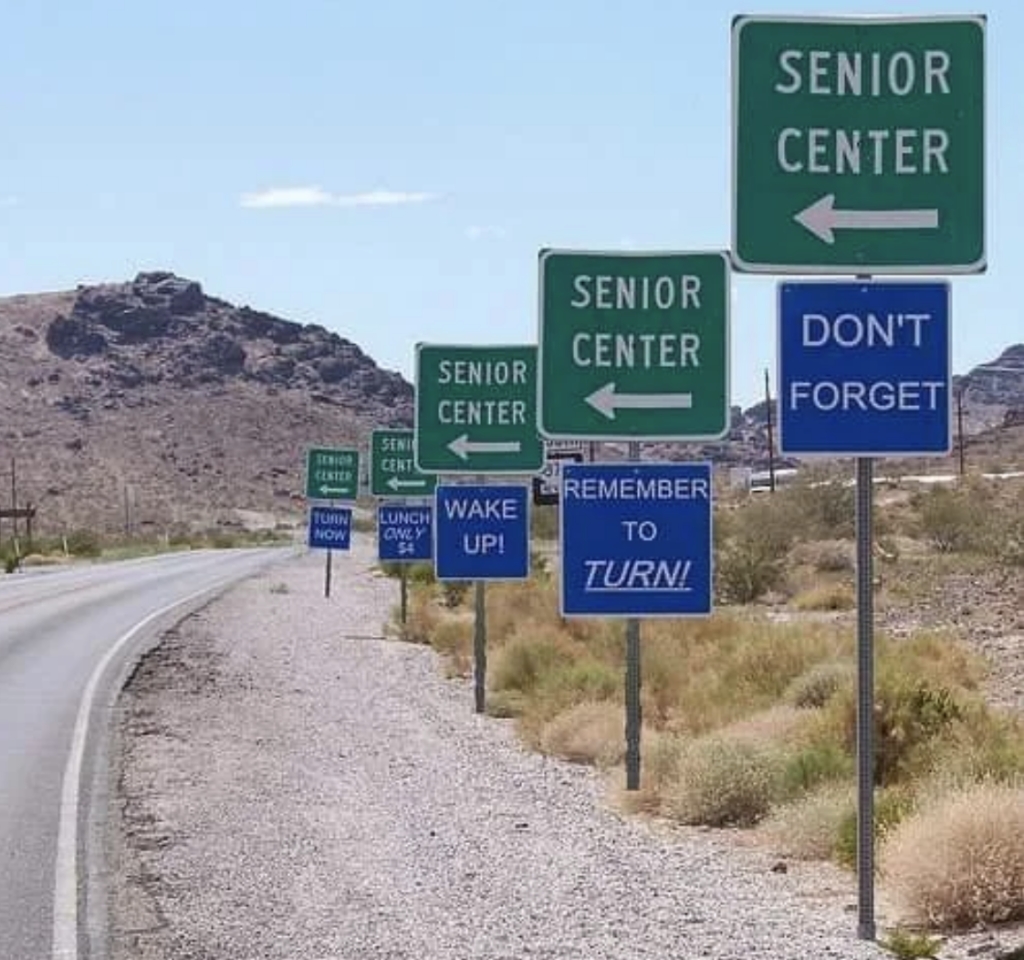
(859, 144)
(476, 409)
(332, 474)
(634, 346)
(393, 470)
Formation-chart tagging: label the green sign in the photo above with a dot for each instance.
(476, 409)
(859, 144)
(634, 346)
(332, 474)
(393, 470)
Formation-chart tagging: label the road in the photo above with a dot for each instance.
(65, 640)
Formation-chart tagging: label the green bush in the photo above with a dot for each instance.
(820, 510)
(892, 806)
(813, 765)
(816, 686)
(84, 543)
(954, 521)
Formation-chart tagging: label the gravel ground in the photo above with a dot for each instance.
(293, 786)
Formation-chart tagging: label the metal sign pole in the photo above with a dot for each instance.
(865, 700)
(480, 640)
(633, 711)
(327, 574)
(405, 593)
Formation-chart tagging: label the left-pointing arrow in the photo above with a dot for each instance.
(326, 489)
(395, 484)
(822, 218)
(463, 447)
(606, 401)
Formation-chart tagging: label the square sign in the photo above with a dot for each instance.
(482, 533)
(636, 540)
(548, 482)
(634, 346)
(332, 474)
(859, 144)
(330, 528)
(864, 369)
(393, 470)
(476, 410)
(404, 533)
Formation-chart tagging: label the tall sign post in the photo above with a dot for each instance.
(476, 412)
(331, 476)
(633, 346)
(858, 144)
(859, 148)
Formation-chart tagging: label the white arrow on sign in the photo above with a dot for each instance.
(462, 446)
(606, 401)
(822, 218)
(325, 489)
(395, 484)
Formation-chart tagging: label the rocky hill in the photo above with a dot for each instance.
(148, 405)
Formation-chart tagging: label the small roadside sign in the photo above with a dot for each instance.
(636, 540)
(330, 528)
(858, 144)
(332, 474)
(393, 470)
(404, 532)
(476, 410)
(634, 346)
(864, 369)
(547, 483)
(482, 533)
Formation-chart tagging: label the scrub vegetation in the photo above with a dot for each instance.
(749, 715)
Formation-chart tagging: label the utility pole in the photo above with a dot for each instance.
(771, 441)
(14, 499)
(960, 428)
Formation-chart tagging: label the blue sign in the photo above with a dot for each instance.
(482, 533)
(404, 533)
(864, 369)
(330, 528)
(636, 539)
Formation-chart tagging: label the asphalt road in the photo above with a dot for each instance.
(65, 640)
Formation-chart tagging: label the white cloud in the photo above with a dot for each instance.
(318, 197)
(484, 233)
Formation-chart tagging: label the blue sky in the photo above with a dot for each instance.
(389, 169)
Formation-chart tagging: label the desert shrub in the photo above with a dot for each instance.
(453, 592)
(816, 686)
(829, 596)
(953, 520)
(827, 556)
(908, 945)
(84, 543)
(891, 807)
(453, 639)
(812, 764)
(721, 782)
(959, 862)
(750, 562)
(588, 732)
(807, 828)
(1010, 540)
(526, 660)
(820, 509)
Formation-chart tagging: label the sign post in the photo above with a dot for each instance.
(476, 410)
(858, 144)
(634, 346)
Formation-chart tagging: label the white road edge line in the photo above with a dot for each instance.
(65, 885)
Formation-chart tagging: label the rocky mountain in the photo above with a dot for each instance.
(150, 405)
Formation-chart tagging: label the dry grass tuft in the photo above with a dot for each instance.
(826, 596)
(590, 732)
(807, 829)
(960, 861)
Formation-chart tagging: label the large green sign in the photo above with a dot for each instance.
(393, 470)
(476, 409)
(332, 474)
(858, 144)
(634, 345)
